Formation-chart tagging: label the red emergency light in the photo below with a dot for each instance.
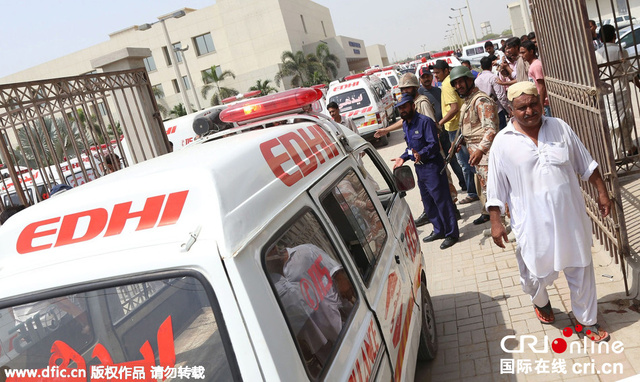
(241, 96)
(354, 76)
(319, 86)
(270, 105)
(388, 68)
(443, 54)
(372, 71)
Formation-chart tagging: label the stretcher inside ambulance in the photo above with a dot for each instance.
(308, 269)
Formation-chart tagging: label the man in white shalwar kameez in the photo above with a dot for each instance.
(532, 167)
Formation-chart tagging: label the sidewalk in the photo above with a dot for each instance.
(478, 300)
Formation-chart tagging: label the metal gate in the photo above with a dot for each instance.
(73, 130)
(577, 87)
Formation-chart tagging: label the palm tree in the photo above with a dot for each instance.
(162, 105)
(329, 61)
(212, 82)
(35, 142)
(264, 87)
(178, 110)
(293, 65)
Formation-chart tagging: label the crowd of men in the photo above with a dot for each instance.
(514, 157)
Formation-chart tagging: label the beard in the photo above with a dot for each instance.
(407, 116)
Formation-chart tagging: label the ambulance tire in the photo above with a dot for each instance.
(384, 140)
(428, 347)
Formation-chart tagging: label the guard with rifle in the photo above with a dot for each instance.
(478, 125)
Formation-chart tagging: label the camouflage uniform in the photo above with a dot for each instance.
(479, 125)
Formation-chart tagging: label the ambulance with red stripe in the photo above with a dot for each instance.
(279, 250)
(365, 100)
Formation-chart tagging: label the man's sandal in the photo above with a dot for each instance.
(594, 332)
(545, 314)
(469, 199)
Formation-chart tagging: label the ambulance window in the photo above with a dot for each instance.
(166, 328)
(393, 81)
(377, 179)
(13, 199)
(351, 100)
(356, 218)
(315, 293)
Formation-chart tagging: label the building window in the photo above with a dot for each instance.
(150, 64)
(176, 87)
(186, 83)
(206, 74)
(204, 44)
(178, 46)
(158, 91)
(323, 30)
(167, 56)
(356, 51)
(303, 24)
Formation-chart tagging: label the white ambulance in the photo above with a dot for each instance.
(366, 101)
(390, 75)
(275, 251)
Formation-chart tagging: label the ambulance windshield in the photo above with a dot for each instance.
(351, 100)
(153, 330)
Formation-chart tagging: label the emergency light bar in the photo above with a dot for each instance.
(319, 86)
(270, 105)
(443, 54)
(241, 96)
(388, 68)
(354, 76)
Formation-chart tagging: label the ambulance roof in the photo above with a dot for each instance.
(226, 189)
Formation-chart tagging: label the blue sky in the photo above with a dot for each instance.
(37, 31)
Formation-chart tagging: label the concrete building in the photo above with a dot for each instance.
(246, 37)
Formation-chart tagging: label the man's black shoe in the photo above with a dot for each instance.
(458, 216)
(433, 237)
(422, 220)
(482, 219)
(448, 242)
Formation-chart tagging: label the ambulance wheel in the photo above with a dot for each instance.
(428, 347)
(384, 140)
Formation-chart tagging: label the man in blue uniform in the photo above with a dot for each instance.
(423, 147)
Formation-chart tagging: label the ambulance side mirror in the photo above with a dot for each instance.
(403, 177)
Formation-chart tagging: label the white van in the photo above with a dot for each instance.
(366, 101)
(474, 52)
(257, 254)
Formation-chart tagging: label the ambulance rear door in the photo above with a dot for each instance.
(365, 227)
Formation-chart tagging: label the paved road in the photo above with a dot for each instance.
(478, 300)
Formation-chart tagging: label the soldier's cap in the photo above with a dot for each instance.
(520, 88)
(406, 97)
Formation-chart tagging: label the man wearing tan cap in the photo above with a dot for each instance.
(532, 167)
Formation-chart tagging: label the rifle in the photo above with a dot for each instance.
(452, 152)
